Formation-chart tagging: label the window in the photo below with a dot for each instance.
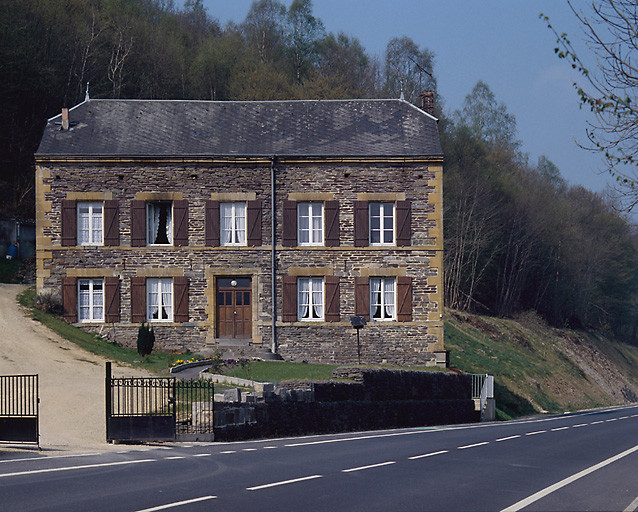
(90, 221)
(310, 223)
(381, 223)
(233, 223)
(382, 298)
(159, 223)
(90, 300)
(310, 298)
(159, 300)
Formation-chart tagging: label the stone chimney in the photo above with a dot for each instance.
(427, 102)
(65, 119)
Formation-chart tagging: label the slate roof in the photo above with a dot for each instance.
(319, 128)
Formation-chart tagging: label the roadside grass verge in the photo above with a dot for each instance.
(156, 362)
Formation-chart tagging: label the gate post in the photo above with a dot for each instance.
(108, 400)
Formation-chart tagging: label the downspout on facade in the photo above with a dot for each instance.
(273, 255)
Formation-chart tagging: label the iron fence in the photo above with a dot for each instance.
(19, 408)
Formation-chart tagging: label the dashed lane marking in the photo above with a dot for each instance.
(174, 457)
(202, 455)
(178, 504)
(580, 425)
(428, 455)
(633, 506)
(507, 438)
(249, 449)
(283, 482)
(71, 468)
(537, 432)
(472, 445)
(371, 466)
(229, 451)
(559, 428)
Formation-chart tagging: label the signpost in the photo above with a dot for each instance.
(358, 322)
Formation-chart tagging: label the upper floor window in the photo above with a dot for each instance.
(310, 223)
(159, 300)
(90, 224)
(233, 223)
(91, 300)
(382, 298)
(159, 223)
(381, 223)
(310, 298)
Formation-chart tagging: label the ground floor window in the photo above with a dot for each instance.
(310, 298)
(159, 300)
(382, 298)
(91, 300)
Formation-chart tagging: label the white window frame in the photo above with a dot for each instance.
(232, 223)
(153, 213)
(307, 232)
(91, 300)
(311, 297)
(383, 207)
(93, 221)
(160, 298)
(383, 294)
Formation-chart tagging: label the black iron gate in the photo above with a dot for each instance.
(158, 409)
(19, 409)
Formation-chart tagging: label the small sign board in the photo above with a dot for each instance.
(358, 321)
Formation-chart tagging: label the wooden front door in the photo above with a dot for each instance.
(234, 310)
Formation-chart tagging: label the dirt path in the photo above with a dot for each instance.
(71, 379)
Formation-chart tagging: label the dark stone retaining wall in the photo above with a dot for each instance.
(383, 399)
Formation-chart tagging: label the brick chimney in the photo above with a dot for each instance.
(427, 102)
(65, 119)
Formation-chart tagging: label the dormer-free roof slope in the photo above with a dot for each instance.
(318, 128)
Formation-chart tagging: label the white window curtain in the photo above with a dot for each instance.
(375, 298)
(317, 297)
(233, 223)
(159, 299)
(310, 298)
(91, 300)
(388, 297)
(90, 221)
(303, 298)
(382, 298)
(159, 217)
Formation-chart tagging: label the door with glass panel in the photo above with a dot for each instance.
(234, 309)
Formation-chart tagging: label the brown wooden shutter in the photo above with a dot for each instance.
(290, 224)
(361, 224)
(404, 299)
(331, 216)
(70, 299)
(112, 299)
(111, 223)
(212, 223)
(180, 223)
(331, 285)
(138, 223)
(180, 293)
(404, 224)
(362, 297)
(138, 299)
(253, 219)
(289, 313)
(69, 223)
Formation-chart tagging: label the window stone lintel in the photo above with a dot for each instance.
(159, 196)
(89, 196)
(382, 196)
(310, 196)
(91, 272)
(233, 196)
(310, 271)
(382, 272)
(159, 272)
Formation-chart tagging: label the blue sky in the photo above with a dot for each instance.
(502, 42)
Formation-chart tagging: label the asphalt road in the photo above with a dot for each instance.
(583, 461)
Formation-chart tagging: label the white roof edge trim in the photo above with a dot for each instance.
(72, 108)
(421, 111)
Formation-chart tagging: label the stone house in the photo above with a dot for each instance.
(253, 224)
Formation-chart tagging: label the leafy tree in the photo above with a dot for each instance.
(304, 32)
(610, 90)
(264, 29)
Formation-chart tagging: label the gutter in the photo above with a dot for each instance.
(273, 255)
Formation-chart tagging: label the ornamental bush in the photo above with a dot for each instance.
(145, 339)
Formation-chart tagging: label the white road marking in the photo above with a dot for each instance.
(174, 457)
(611, 419)
(47, 457)
(178, 504)
(537, 432)
(229, 451)
(548, 490)
(202, 455)
(249, 450)
(283, 482)
(580, 425)
(559, 428)
(269, 447)
(360, 468)
(633, 506)
(597, 422)
(473, 445)
(427, 455)
(506, 438)
(326, 441)
(71, 468)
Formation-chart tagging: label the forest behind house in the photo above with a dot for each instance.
(517, 236)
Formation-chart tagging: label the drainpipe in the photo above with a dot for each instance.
(273, 255)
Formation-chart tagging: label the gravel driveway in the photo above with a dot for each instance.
(71, 380)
